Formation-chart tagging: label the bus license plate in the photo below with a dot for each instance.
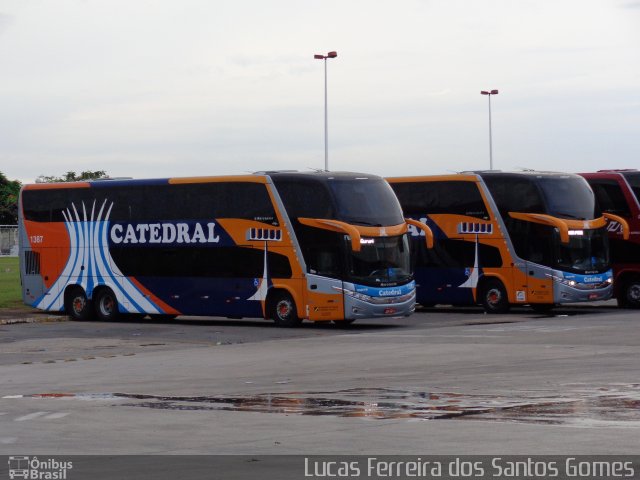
(389, 311)
(593, 296)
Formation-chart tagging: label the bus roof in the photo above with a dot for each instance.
(120, 182)
(257, 177)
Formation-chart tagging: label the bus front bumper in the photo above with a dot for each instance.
(395, 307)
(566, 294)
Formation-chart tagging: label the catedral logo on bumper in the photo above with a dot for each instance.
(589, 279)
(386, 292)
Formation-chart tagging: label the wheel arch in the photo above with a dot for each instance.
(277, 288)
(621, 279)
(485, 278)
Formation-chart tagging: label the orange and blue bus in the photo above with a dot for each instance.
(281, 245)
(526, 238)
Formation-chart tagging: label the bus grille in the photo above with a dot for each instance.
(31, 263)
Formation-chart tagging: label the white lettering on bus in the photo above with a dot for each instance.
(168, 233)
(183, 233)
(154, 233)
(414, 231)
(164, 233)
(116, 232)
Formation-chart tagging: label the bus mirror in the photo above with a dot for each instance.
(335, 226)
(428, 234)
(623, 223)
(544, 219)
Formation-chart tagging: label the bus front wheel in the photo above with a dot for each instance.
(106, 305)
(630, 293)
(493, 297)
(76, 304)
(282, 310)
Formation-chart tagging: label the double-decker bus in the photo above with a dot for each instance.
(280, 245)
(618, 193)
(507, 238)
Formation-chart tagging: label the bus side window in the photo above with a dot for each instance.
(451, 197)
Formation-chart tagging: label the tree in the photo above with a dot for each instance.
(72, 177)
(9, 190)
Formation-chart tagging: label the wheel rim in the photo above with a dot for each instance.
(633, 292)
(107, 305)
(79, 303)
(494, 296)
(283, 309)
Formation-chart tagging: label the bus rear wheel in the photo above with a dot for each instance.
(493, 297)
(106, 305)
(76, 304)
(282, 310)
(630, 293)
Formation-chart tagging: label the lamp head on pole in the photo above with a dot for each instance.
(489, 92)
(324, 57)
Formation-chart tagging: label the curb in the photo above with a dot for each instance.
(48, 319)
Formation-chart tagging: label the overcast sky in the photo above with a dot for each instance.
(158, 88)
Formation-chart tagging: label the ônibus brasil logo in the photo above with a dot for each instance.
(38, 469)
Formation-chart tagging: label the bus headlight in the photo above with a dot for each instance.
(356, 295)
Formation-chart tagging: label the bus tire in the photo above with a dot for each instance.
(106, 305)
(493, 296)
(630, 293)
(282, 310)
(76, 304)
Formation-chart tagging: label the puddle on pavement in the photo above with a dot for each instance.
(613, 405)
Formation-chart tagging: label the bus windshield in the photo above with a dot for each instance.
(633, 178)
(587, 253)
(557, 190)
(365, 201)
(559, 195)
(382, 261)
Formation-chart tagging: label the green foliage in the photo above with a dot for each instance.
(9, 190)
(72, 177)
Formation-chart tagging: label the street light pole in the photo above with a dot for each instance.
(326, 117)
(489, 93)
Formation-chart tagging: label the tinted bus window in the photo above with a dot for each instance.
(228, 262)
(307, 199)
(366, 202)
(513, 194)
(249, 201)
(634, 181)
(450, 253)
(451, 197)
(610, 196)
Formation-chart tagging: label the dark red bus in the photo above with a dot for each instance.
(618, 193)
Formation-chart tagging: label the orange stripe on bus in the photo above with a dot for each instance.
(53, 186)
